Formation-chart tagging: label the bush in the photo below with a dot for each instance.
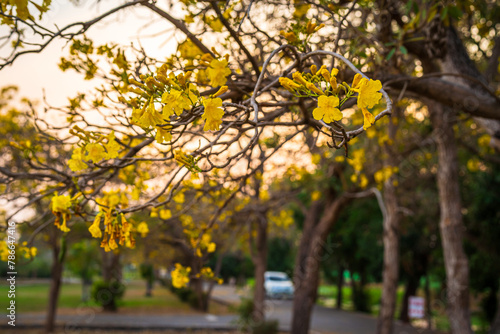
(247, 324)
(266, 327)
(107, 294)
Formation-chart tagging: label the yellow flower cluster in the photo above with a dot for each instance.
(60, 205)
(116, 227)
(94, 148)
(180, 276)
(283, 220)
(162, 97)
(26, 252)
(322, 84)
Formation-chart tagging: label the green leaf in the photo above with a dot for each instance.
(390, 54)
(403, 50)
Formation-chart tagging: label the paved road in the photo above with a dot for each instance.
(324, 320)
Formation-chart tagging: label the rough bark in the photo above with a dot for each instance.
(391, 240)
(311, 250)
(340, 284)
(451, 224)
(391, 261)
(260, 262)
(259, 253)
(495, 326)
(58, 254)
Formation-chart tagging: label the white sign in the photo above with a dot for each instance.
(416, 307)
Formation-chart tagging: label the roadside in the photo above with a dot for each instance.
(324, 320)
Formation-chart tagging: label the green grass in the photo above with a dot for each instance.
(34, 298)
(328, 294)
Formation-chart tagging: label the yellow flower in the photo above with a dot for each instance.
(367, 90)
(312, 87)
(289, 85)
(163, 134)
(95, 229)
(299, 78)
(179, 198)
(175, 101)
(221, 91)
(61, 203)
(213, 114)
(63, 227)
(165, 214)
(315, 195)
(95, 152)
(180, 276)
(76, 163)
(218, 72)
(151, 117)
(368, 118)
(112, 146)
(327, 109)
(143, 229)
(112, 244)
(211, 247)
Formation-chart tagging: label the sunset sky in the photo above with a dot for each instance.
(34, 73)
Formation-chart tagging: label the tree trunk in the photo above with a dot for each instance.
(260, 262)
(211, 285)
(340, 284)
(451, 224)
(58, 254)
(311, 250)
(391, 240)
(410, 290)
(149, 287)
(86, 284)
(495, 326)
(111, 272)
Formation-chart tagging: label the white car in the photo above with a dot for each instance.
(278, 284)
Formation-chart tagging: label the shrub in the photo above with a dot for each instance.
(107, 294)
(247, 324)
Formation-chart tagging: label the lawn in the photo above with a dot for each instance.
(34, 298)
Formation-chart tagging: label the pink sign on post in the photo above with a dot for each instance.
(416, 308)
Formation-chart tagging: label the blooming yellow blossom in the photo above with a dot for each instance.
(175, 101)
(151, 117)
(367, 90)
(76, 163)
(112, 146)
(218, 72)
(60, 208)
(95, 229)
(180, 276)
(163, 134)
(95, 152)
(213, 114)
(165, 214)
(143, 229)
(61, 203)
(327, 109)
(368, 118)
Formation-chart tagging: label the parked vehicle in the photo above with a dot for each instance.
(278, 285)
